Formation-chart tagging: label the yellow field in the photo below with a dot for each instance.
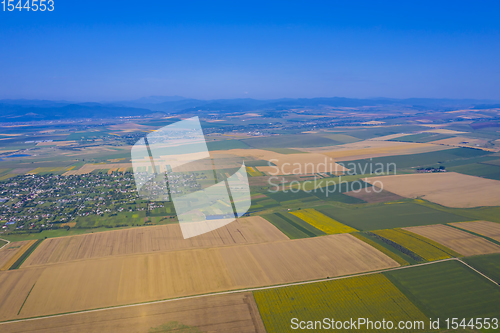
(485, 228)
(221, 313)
(96, 283)
(372, 296)
(322, 222)
(168, 237)
(425, 249)
(8, 264)
(48, 169)
(449, 189)
(460, 241)
(8, 251)
(253, 172)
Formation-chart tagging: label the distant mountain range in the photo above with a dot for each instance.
(33, 110)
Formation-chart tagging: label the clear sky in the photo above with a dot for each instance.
(119, 50)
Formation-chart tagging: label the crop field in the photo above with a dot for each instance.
(448, 290)
(322, 222)
(371, 196)
(478, 169)
(292, 226)
(376, 149)
(338, 192)
(421, 246)
(226, 313)
(422, 137)
(485, 228)
(88, 168)
(461, 141)
(290, 141)
(253, 172)
(445, 188)
(138, 278)
(150, 239)
(423, 159)
(488, 265)
(8, 252)
(18, 254)
(372, 296)
(388, 215)
(459, 241)
(391, 253)
(226, 144)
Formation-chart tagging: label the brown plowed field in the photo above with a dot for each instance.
(485, 228)
(457, 240)
(168, 237)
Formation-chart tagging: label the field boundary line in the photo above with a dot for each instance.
(227, 292)
(475, 270)
(5, 240)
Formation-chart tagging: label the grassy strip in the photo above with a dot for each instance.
(399, 247)
(309, 229)
(476, 234)
(381, 248)
(25, 255)
(26, 299)
(432, 243)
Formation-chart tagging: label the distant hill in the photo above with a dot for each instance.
(33, 110)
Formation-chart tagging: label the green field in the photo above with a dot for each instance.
(434, 158)
(226, 144)
(371, 296)
(374, 132)
(282, 196)
(422, 137)
(2, 243)
(335, 192)
(86, 135)
(292, 226)
(448, 290)
(290, 141)
(388, 215)
(489, 265)
(341, 138)
(478, 169)
(388, 250)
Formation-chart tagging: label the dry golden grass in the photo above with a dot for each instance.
(105, 282)
(220, 313)
(459, 241)
(168, 237)
(485, 228)
(8, 251)
(374, 148)
(8, 264)
(449, 189)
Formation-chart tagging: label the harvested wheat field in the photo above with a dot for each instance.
(16, 285)
(459, 241)
(373, 148)
(17, 254)
(88, 168)
(449, 189)
(464, 142)
(8, 251)
(168, 237)
(485, 228)
(220, 313)
(105, 282)
(288, 164)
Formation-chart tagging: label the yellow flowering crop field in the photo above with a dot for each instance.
(423, 247)
(372, 296)
(322, 222)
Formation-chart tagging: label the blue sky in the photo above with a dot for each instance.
(121, 50)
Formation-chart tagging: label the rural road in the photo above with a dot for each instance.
(250, 290)
(4, 244)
